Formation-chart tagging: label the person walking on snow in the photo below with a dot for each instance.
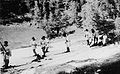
(1, 59)
(67, 41)
(5, 51)
(87, 36)
(93, 38)
(43, 46)
(33, 43)
(34, 47)
(47, 44)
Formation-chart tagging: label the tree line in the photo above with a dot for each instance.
(60, 13)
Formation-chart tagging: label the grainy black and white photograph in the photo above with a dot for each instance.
(59, 36)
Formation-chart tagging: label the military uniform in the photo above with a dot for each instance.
(33, 43)
(102, 39)
(47, 44)
(67, 42)
(1, 58)
(88, 37)
(44, 46)
(7, 55)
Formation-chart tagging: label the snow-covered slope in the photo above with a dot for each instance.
(55, 57)
(57, 60)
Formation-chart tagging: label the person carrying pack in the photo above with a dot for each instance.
(6, 53)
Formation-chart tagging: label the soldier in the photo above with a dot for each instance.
(93, 38)
(34, 45)
(102, 39)
(6, 54)
(43, 46)
(67, 41)
(35, 50)
(1, 59)
(87, 35)
(105, 39)
(47, 44)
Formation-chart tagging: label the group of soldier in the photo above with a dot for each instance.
(5, 52)
(92, 39)
(39, 50)
(96, 39)
(44, 44)
(40, 53)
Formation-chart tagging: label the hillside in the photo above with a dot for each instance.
(77, 61)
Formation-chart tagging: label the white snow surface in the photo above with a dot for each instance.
(55, 56)
(22, 57)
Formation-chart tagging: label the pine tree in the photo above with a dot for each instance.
(95, 14)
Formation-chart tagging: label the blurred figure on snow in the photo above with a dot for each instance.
(1, 58)
(5, 55)
(93, 38)
(35, 49)
(87, 36)
(102, 39)
(33, 43)
(67, 41)
(47, 44)
(44, 46)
